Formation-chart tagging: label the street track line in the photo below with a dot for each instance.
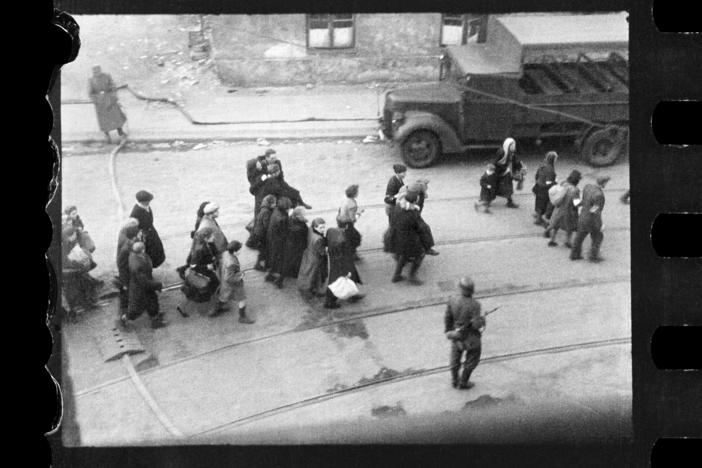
(380, 311)
(141, 388)
(314, 213)
(400, 378)
(469, 240)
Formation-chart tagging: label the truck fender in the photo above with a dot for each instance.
(415, 120)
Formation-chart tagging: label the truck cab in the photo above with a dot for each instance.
(536, 76)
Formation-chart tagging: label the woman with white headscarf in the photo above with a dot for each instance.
(508, 168)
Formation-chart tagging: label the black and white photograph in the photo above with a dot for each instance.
(362, 228)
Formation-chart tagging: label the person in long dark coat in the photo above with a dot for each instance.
(143, 213)
(275, 243)
(421, 187)
(198, 219)
(407, 242)
(341, 263)
(590, 220)
(565, 214)
(129, 223)
(103, 94)
(131, 235)
(313, 268)
(273, 183)
(508, 168)
(545, 178)
(143, 287)
(394, 185)
(259, 236)
(295, 242)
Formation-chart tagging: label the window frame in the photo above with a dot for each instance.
(465, 27)
(330, 24)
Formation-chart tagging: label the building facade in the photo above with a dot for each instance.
(298, 49)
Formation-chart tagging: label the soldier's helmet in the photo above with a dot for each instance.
(466, 285)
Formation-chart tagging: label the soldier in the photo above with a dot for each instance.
(103, 94)
(463, 325)
(590, 220)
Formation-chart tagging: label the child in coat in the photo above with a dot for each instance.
(488, 187)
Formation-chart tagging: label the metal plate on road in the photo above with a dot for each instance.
(116, 342)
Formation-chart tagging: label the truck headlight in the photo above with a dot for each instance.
(398, 117)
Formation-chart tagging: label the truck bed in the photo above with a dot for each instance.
(582, 77)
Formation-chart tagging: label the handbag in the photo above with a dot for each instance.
(556, 194)
(80, 256)
(86, 241)
(196, 280)
(344, 287)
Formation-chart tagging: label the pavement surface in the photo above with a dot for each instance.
(268, 113)
(373, 371)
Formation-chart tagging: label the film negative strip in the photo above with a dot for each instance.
(665, 196)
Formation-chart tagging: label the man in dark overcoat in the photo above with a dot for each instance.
(462, 325)
(144, 214)
(131, 233)
(278, 228)
(260, 170)
(590, 220)
(103, 94)
(143, 287)
(407, 244)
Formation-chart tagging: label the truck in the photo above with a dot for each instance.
(535, 77)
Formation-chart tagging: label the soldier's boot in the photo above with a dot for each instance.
(465, 383)
(243, 318)
(454, 378)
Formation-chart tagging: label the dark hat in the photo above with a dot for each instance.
(575, 176)
(411, 196)
(144, 196)
(269, 151)
(234, 246)
(399, 168)
(601, 180)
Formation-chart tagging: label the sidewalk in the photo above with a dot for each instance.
(244, 114)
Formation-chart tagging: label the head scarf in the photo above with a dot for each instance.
(505, 149)
(268, 201)
(550, 158)
(210, 208)
(317, 221)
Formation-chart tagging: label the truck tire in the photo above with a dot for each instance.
(421, 149)
(604, 147)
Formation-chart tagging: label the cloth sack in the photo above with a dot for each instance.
(556, 194)
(344, 287)
(86, 241)
(197, 281)
(81, 256)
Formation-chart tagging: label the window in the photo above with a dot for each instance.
(461, 29)
(330, 31)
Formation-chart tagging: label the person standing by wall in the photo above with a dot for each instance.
(462, 325)
(590, 220)
(103, 94)
(144, 214)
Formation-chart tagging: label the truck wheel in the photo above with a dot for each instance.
(420, 149)
(604, 147)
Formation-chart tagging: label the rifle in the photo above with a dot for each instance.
(458, 332)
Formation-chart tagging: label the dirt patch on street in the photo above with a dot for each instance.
(488, 401)
(386, 411)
